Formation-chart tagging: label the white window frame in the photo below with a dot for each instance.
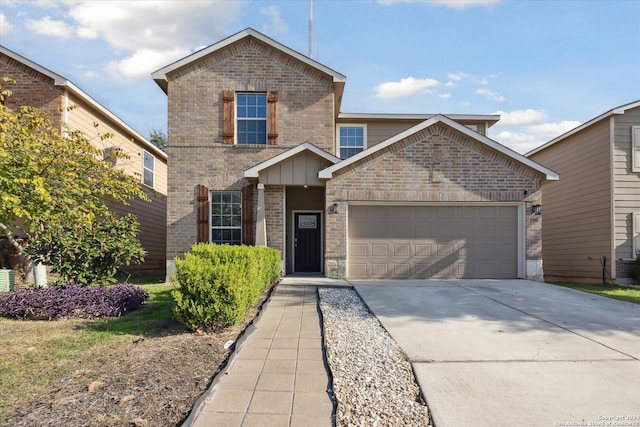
(635, 229)
(264, 119)
(224, 227)
(635, 148)
(152, 170)
(350, 125)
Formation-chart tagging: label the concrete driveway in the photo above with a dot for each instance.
(514, 352)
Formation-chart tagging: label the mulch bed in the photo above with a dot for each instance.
(150, 381)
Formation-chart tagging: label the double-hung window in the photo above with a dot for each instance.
(148, 169)
(352, 139)
(251, 118)
(226, 217)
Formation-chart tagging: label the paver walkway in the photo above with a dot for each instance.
(277, 376)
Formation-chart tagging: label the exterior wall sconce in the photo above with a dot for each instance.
(536, 209)
(333, 209)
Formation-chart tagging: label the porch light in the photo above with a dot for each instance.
(334, 208)
(536, 209)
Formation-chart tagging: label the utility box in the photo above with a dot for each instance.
(7, 280)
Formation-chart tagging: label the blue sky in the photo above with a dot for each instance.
(545, 66)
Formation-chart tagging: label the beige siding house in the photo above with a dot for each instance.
(70, 107)
(262, 155)
(592, 216)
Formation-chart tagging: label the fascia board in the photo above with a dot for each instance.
(254, 171)
(550, 175)
(619, 110)
(160, 75)
(57, 78)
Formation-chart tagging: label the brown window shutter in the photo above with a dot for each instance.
(228, 116)
(272, 118)
(202, 213)
(247, 216)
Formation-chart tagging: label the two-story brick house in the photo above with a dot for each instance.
(261, 154)
(70, 107)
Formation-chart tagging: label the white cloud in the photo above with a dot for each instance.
(454, 4)
(139, 63)
(520, 117)
(493, 96)
(530, 137)
(277, 25)
(5, 26)
(145, 32)
(48, 27)
(445, 95)
(553, 130)
(406, 88)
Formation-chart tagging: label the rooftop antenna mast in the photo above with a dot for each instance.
(310, 28)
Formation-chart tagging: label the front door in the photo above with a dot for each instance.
(307, 242)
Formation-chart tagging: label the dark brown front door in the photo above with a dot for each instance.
(307, 242)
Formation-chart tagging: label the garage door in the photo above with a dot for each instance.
(443, 242)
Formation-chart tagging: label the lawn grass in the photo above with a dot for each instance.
(624, 293)
(35, 355)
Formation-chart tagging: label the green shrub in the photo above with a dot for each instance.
(218, 283)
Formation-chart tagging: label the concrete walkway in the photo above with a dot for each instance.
(277, 374)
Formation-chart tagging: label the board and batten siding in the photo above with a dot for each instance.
(576, 230)
(84, 118)
(626, 183)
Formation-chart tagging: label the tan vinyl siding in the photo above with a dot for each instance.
(301, 169)
(94, 125)
(626, 183)
(576, 217)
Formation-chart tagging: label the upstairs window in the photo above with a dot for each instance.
(148, 169)
(251, 116)
(352, 139)
(226, 217)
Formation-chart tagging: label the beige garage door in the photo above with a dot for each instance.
(443, 242)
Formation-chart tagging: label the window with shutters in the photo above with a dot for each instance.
(226, 217)
(635, 148)
(250, 118)
(352, 139)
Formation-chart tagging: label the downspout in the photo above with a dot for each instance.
(612, 242)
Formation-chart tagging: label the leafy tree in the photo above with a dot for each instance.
(58, 185)
(159, 139)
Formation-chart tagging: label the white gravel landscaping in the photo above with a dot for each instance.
(373, 381)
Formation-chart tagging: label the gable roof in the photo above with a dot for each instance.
(305, 146)
(68, 85)
(160, 76)
(439, 118)
(618, 110)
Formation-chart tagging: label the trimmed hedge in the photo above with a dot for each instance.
(218, 283)
(72, 301)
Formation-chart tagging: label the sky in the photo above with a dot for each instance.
(545, 66)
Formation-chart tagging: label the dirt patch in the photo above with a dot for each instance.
(151, 381)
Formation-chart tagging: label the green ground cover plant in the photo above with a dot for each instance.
(624, 293)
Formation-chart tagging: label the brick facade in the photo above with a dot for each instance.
(31, 88)
(197, 153)
(437, 164)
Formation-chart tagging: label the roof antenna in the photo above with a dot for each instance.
(310, 28)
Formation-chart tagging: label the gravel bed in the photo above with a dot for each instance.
(373, 381)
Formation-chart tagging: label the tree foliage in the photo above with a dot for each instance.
(159, 139)
(58, 185)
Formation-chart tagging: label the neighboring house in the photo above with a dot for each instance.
(261, 155)
(38, 87)
(592, 216)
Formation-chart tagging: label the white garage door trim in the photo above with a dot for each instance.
(521, 224)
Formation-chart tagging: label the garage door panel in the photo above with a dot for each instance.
(433, 242)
